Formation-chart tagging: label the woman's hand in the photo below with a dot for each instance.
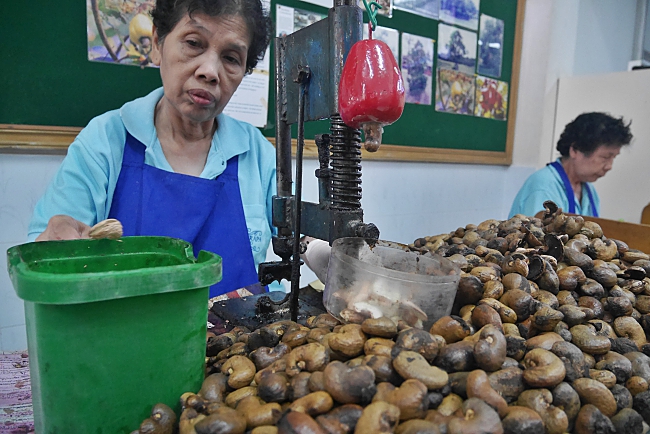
(63, 227)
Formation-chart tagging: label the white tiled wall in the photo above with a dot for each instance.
(405, 200)
(22, 181)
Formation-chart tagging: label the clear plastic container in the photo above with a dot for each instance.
(367, 279)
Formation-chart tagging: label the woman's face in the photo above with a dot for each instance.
(590, 168)
(202, 61)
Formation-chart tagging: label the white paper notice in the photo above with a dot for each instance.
(250, 102)
(283, 20)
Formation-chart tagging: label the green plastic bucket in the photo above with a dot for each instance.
(113, 327)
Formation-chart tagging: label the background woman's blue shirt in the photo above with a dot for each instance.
(546, 184)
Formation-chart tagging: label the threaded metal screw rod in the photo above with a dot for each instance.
(345, 159)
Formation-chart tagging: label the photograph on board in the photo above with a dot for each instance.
(303, 18)
(386, 35)
(323, 3)
(386, 7)
(417, 68)
(491, 98)
(454, 92)
(424, 8)
(456, 49)
(490, 46)
(461, 12)
(120, 32)
(289, 20)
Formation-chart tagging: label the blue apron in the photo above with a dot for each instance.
(569, 190)
(205, 212)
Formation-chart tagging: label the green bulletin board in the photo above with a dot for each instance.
(49, 90)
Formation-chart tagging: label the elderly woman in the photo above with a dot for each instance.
(171, 163)
(588, 146)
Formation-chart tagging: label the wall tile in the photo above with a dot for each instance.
(13, 338)
(12, 312)
(23, 179)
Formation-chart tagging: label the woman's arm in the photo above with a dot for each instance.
(82, 187)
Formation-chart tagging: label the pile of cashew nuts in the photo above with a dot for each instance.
(547, 335)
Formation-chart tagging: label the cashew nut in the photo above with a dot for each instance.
(412, 365)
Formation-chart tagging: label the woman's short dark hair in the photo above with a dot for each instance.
(168, 13)
(590, 130)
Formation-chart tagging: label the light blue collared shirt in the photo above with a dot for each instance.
(546, 184)
(84, 184)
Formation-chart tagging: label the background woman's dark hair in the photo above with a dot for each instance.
(168, 13)
(591, 130)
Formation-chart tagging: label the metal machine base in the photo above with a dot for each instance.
(255, 311)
